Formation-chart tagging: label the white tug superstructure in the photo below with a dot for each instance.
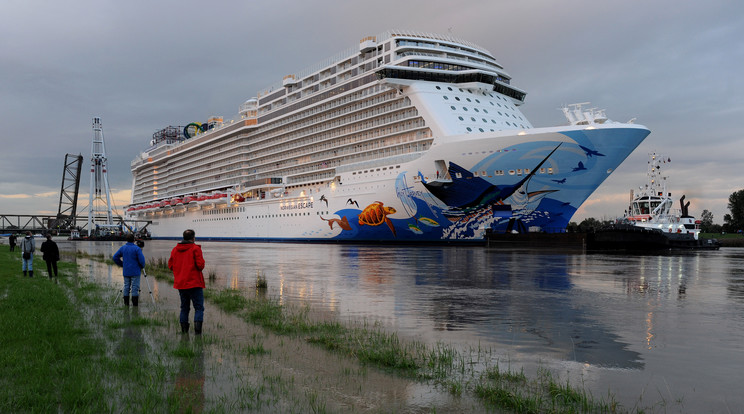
(406, 137)
(653, 207)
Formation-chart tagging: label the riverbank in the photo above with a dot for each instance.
(258, 355)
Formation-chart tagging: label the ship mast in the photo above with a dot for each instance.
(100, 196)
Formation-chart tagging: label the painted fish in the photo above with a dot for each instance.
(415, 229)
(429, 222)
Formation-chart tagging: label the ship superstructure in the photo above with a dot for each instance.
(407, 136)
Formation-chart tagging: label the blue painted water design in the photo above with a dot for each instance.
(667, 328)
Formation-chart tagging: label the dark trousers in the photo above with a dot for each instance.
(12, 247)
(195, 296)
(51, 264)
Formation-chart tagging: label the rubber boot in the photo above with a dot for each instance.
(184, 327)
(126, 301)
(30, 273)
(135, 300)
(197, 327)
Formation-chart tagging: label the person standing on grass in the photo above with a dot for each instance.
(28, 247)
(187, 262)
(12, 241)
(132, 261)
(51, 255)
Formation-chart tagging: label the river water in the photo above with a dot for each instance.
(650, 329)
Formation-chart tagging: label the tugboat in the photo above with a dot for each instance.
(651, 222)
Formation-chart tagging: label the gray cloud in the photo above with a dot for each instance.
(142, 66)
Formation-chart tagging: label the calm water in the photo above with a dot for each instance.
(648, 328)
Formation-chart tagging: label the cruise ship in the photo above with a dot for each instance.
(406, 137)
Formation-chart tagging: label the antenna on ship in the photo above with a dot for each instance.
(100, 196)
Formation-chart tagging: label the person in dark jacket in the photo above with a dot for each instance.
(132, 261)
(28, 247)
(51, 255)
(187, 262)
(12, 241)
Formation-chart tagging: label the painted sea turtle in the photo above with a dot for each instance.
(376, 214)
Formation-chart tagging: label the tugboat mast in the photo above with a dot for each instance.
(100, 196)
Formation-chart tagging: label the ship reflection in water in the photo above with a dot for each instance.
(670, 325)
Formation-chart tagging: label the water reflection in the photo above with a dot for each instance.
(642, 314)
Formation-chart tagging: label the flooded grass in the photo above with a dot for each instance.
(370, 344)
(106, 359)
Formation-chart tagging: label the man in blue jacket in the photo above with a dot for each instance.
(131, 259)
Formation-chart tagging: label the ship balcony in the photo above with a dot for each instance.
(289, 80)
(367, 44)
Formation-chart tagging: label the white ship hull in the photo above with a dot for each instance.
(395, 205)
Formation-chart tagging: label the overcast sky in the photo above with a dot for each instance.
(675, 66)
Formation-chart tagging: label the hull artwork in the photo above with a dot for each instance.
(539, 183)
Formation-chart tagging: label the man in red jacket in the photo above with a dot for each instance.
(186, 262)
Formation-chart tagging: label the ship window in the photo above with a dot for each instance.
(480, 129)
(464, 109)
(453, 107)
(468, 99)
(485, 111)
(458, 175)
(445, 97)
(512, 172)
(476, 109)
(470, 129)
(483, 173)
(438, 87)
(484, 120)
(472, 119)
(477, 101)
(449, 89)
(461, 118)
(457, 98)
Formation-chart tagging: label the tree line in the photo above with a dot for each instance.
(733, 222)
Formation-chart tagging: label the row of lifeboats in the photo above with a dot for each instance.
(199, 199)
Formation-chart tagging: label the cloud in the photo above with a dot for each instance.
(142, 66)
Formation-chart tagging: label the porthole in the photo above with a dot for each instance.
(449, 89)
(485, 111)
(461, 118)
(453, 107)
(469, 129)
(477, 101)
(468, 99)
(464, 108)
(480, 129)
(484, 120)
(457, 98)
(445, 97)
(476, 109)
(438, 87)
